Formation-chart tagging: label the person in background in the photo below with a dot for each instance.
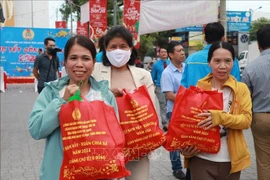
(101, 49)
(79, 59)
(256, 76)
(40, 51)
(139, 63)
(150, 65)
(235, 117)
(170, 83)
(156, 72)
(118, 67)
(196, 64)
(46, 65)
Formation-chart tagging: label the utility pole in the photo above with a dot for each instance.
(114, 12)
(32, 14)
(223, 16)
(71, 20)
(71, 23)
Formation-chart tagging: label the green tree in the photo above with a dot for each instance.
(256, 25)
(146, 46)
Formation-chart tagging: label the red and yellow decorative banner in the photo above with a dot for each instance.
(97, 19)
(131, 19)
(82, 29)
(60, 24)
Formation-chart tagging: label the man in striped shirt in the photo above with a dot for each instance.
(257, 77)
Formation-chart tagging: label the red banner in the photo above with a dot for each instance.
(82, 29)
(131, 19)
(98, 19)
(60, 24)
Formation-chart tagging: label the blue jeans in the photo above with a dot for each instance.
(175, 155)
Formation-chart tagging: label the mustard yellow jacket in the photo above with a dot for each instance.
(239, 118)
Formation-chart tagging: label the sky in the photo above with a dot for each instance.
(232, 5)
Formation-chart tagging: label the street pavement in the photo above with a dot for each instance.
(21, 155)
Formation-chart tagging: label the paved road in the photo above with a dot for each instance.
(21, 155)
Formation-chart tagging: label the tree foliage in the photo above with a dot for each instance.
(256, 25)
(146, 46)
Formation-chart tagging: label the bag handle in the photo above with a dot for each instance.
(77, 95)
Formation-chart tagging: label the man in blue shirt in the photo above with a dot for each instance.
(196, 64)
(170, 83)
(156, 72)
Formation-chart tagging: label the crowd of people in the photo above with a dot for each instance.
(117, 66)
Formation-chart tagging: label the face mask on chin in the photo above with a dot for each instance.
(118, 57)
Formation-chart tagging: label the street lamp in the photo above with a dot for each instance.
(253, 10)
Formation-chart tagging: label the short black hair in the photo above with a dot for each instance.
(263, 37)
(162, 47)
(213, 32)
(171, 46)
(82, 41)
(47, 40)
(217, 45)
(119, 31)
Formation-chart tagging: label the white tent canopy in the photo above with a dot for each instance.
(162, 15)
(165, 15)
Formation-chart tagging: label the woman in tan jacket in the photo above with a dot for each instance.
(235, 117)
(118, 68)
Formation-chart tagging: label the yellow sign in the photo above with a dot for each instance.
(175, 38)
(195, 38)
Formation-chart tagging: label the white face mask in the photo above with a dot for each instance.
(118, 57)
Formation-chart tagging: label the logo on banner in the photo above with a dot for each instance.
(28, 34)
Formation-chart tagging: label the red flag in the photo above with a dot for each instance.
(82, 29)
(60, 24)
(131, 19)
(98, 18)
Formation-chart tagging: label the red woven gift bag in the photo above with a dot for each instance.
(93, 141)
(139, 121)
(183, 129)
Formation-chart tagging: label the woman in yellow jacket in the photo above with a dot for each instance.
(235, 117)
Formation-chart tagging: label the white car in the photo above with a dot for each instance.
(243, 60)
